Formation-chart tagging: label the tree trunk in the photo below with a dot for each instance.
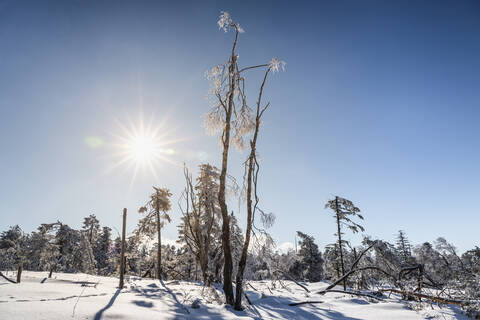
(19, 272)
(227, 252)
(243, 259)
(159, 248)
(250, 210)
(204, 266)
(340, 246)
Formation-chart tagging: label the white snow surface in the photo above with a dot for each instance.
(83, 296)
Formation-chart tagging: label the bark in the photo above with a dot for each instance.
(243, 259)
(159, 248)
(19, 272)
(226, 245)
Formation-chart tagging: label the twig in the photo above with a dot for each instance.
(290, 278)
(248, 283)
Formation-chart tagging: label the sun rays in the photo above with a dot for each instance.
(143, 147)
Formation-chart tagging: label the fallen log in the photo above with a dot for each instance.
(355, 293)
(432, 298)
(303, 302)
(6, 278)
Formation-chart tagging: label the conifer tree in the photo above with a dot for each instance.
(344, 211)
(404, 247)
(309, 264)
(155, 211)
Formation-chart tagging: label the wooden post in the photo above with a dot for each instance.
(159, 235)
(19, 272)
(122, 250)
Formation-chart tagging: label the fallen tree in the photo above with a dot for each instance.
(303, 302)
(428, 297)
(6, 278)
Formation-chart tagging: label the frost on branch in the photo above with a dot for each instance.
(225, 22)
(275, 64)
(213, 121)
(242, 125)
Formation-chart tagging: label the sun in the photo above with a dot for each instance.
(143, 147)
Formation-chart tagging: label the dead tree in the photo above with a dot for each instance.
(232, 117)
(253, 168)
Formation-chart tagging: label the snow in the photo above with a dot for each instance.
(83, 296)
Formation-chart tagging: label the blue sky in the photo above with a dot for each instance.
(379, 104)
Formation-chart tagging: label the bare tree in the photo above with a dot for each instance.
(232, 117)
(155, 211)
(344, 209)
(252, 169)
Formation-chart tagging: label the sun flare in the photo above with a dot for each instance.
(144, 147)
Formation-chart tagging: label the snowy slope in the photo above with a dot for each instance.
(82, 296)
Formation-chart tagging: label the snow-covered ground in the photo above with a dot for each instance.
(82, 296)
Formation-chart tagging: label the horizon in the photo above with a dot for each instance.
(377, 105)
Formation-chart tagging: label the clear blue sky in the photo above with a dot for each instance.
(379, 104)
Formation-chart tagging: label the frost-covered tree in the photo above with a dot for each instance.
(13, 249)
(404, 247)
(471, 260)
(332, 261)
(91, 228)
(46, 247)
(200, 209)
(233, 118)
(449, 255)
(102, 252)
(155, 211)
(75, 251)
(284, 261)
(252, 168)
(309, 264)
(230, 116)
(344, 211)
